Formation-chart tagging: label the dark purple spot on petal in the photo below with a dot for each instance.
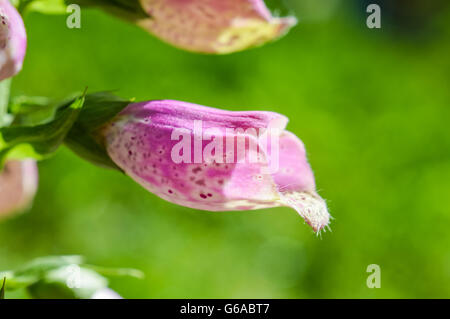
(200, 182)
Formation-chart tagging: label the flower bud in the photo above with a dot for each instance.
(13, 40)
(212, 26)
(18, 185)
(214, 160)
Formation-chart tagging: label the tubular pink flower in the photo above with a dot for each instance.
(13, 40)
(18, 185)
(161, 145)
(213, 26)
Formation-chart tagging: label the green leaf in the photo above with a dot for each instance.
(20, 282)
(36, 270)
(39, 141)
(117, 272)
(47, 6)
(62, 283)
(40, 127)
(63, 277)
(84, 138)
(29, 111)
(2, 291)
(39, 266)
(48, 290)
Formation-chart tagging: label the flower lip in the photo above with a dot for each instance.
(310, 206)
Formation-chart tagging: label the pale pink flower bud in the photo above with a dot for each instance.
(213, 26)
(18, 185)
(13, 40)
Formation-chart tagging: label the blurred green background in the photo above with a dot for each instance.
(372, 107)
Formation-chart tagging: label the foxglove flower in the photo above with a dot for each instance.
(213, 26)
(18, 185)
(214, 160)
(13, 40)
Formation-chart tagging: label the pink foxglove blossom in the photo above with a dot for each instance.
(213, 26)
(13, 40)
(214, 160)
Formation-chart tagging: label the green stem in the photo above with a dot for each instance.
(5, 87)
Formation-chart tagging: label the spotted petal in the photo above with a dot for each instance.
(144, 140)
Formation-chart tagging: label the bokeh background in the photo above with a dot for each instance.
(372, 107)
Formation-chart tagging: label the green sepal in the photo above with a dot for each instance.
(279, 8)
(30, 111)
(84, 137)
(127, 9)
(39, 141)
(40, 127)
